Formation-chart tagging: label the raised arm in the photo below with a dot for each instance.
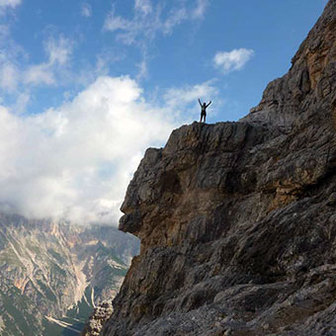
(199, 101)
(209, 103)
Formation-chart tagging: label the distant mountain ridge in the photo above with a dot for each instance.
(54, 273)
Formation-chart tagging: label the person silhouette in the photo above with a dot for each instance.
(204, 106)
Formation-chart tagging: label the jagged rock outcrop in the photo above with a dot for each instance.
(237, 221)
(97, 319)
(308, 87)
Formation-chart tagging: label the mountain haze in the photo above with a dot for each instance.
(54, 273)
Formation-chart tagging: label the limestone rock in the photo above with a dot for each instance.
(237, 221)
(97, 319)
(309, 86)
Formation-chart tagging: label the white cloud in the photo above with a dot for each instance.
(39, 74)
(228, 61)
(10, 3)
(14, 77)
(200, 9)
(21, 103)
(59, 52)
(143, 69)
(143, 5)
(9, 76)
(190, 93)
(9, 65)
(113, 23)
(86, 10)
(176, 17)
(75, 161)
(185, 99)
(149, 20)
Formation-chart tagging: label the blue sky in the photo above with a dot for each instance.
(175, 56)
(86, 86)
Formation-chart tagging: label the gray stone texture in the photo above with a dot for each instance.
(237, 221)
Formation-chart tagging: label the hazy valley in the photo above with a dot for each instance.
(54, 273)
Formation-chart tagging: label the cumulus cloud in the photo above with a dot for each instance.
(86, 10)
(76, 160)
(228, 61)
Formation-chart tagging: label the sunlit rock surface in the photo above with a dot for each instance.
(237, 221)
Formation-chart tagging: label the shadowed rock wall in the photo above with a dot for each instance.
(237, 221)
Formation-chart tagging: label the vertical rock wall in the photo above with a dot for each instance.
(237, 221)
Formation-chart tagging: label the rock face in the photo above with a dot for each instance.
(307, 88)
(97, 319)
(237, 221)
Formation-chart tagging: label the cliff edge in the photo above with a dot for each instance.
(237, 221)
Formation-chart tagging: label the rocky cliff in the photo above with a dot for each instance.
(237, 221)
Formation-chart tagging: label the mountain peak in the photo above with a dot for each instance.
(293, 99)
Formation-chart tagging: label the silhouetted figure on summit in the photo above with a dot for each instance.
(204, 106)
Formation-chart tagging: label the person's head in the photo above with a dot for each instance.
(204, 104)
